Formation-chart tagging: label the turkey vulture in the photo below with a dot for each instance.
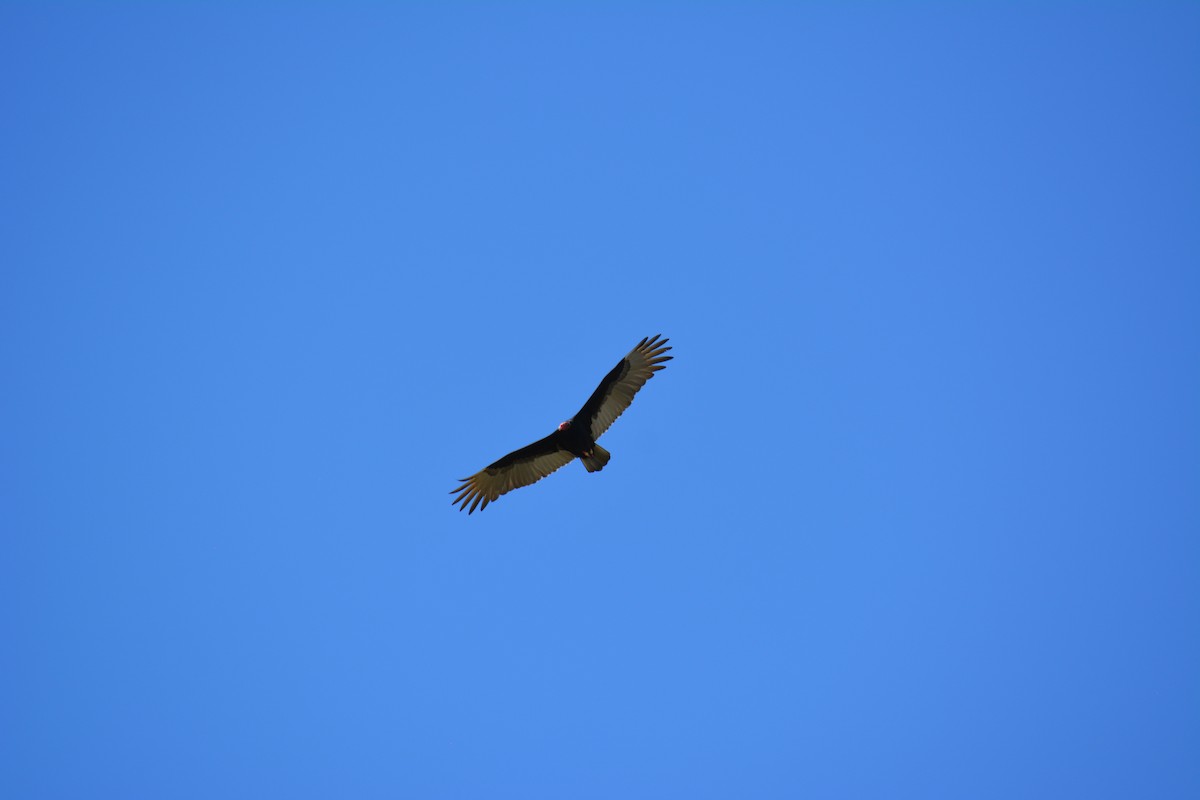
(575, 438)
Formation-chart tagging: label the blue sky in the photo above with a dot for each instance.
(913, 512)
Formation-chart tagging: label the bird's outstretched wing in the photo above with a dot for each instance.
(519, 468)
(616, 391)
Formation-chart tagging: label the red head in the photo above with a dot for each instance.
(562, 426)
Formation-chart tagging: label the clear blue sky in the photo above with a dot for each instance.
(914, 512)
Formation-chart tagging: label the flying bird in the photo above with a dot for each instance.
(575, 438)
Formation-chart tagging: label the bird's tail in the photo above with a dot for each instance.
(598, 459)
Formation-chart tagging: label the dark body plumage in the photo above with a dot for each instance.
(575, 438)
